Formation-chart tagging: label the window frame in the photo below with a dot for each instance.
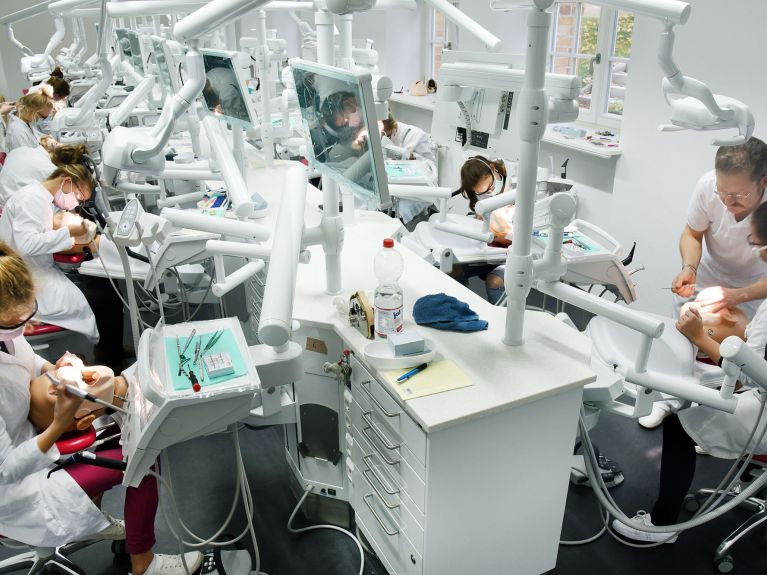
(450, 38)
(598, 114)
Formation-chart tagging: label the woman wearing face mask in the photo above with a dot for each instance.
(31, 123)
(482, 178)
(50, 511)
(26, 165)
(28, 225)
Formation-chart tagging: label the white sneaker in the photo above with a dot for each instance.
(642, 519)
(114, 532)
(660, 411)
(172, 564)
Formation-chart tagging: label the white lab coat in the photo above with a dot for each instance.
(419, 143)
(724, 434)
(34, 509)
(27, 226)
(727, 258)
(20, 134)
(23, 166)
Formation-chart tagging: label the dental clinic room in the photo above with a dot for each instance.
(383, 287)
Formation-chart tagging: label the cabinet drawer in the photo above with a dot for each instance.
(394, 532)
(391, 479)
(382, 438)
(368, 392)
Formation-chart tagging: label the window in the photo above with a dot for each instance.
(438, 41)
(593, 43)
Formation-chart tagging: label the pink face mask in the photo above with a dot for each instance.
(11, 334)
(64, 201)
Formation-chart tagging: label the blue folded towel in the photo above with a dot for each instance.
(442, 311)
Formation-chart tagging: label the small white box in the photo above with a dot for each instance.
(406, 343)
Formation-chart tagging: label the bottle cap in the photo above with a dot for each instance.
(388, 243)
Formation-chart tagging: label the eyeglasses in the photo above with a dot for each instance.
(734, 197)
(755, 246)
(18, 325)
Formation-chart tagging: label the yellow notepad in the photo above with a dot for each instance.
(439, 376)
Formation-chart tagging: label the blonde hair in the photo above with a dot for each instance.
(29, 105)
(68, 160)
(16, 285)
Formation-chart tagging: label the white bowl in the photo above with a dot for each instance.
(380, 356)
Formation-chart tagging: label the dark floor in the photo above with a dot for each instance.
(202, 474)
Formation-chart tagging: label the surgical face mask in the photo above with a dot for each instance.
(497, 186)
(354, 119)
(11, 334)
(65, 201)
(44, 124)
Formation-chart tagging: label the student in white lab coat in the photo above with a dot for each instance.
(720, 434)
(713, 243)
(23, 166)
(416, 145)
(48, 512)
(30, 126)
(28, 225)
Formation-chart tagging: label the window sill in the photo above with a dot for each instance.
(422, 102)
(605, 150)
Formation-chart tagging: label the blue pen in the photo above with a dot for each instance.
(411, 373)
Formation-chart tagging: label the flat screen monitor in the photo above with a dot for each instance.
(226, 89)
(166, 66)
(338, 114)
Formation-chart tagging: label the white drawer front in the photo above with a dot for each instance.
(369, 392)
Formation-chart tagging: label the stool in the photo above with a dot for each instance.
(45, 559)
(722, 558)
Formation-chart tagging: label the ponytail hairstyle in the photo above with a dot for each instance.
(70, 162)
(16, 286)
(473, 170)
(60, 87)
(31, 104)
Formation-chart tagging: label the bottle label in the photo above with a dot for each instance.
(388, 320)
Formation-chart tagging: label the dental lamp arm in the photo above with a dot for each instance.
(736, 352)
(461, 20)
(54, 42)
(121, 113)
(12, 39)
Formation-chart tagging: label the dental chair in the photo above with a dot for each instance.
(55, 559)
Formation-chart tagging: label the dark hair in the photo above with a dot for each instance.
(56, 72)
(69, 162)
(390, 124)
(759, 221)
(60, 86)
(68, 154)
(750, 157)
(472, 171)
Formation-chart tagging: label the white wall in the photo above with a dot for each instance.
(510, 27)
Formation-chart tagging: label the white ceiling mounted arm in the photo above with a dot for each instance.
(12, 39)
(460, 19)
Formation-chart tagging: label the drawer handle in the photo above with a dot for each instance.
(368, 417)
(381, 479)
(378, 517)
(374, 400)
(381, 453)
(380, 495)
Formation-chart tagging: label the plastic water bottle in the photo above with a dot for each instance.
(388, 266)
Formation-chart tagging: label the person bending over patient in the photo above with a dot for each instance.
(721, 434)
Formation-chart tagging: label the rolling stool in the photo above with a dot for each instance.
(722, 558)
(45, 559)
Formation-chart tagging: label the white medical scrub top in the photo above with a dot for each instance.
(725, 434)
(27, 226)
(419, 142)
(34, 509)
(19, 134)
(727, 258)
(23, 166)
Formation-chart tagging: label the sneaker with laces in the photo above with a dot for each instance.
(172, 564)
(642, 519)
(660, 411)
(115, 531)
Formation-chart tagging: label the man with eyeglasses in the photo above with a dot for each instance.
(714, 244)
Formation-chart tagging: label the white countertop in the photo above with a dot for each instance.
(554, 359)
(424, 102)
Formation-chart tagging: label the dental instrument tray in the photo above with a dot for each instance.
(380, 355)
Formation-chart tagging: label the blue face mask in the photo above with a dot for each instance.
(44, 124)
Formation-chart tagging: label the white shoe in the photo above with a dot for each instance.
(115, 531)
(172, 564)
(642, 519)
(660, 411)
(701, 451)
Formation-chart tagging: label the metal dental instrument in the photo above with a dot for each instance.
(189, 341)
(213, 340)
(77, 392)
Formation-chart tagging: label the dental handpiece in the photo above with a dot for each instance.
(77, 392)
